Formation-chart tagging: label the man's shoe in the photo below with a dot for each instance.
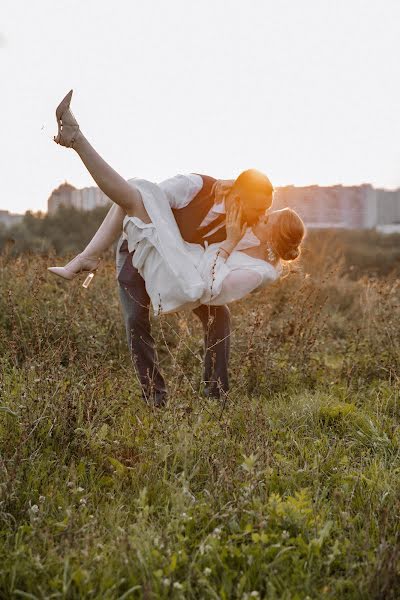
(215, 392)
(158, 400)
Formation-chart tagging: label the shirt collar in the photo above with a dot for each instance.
(219, 208)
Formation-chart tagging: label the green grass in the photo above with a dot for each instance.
(290, 490)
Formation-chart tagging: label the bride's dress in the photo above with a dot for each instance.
(179, 274)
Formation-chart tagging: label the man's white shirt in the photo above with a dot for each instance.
(180, 191)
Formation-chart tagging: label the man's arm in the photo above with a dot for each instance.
(222, 187)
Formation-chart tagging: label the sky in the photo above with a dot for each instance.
(307, 91)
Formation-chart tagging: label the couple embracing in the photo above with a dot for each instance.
(189, 242)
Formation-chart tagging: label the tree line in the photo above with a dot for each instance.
(64, 232)
(67, 231)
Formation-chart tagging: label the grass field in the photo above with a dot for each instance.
(288, 490)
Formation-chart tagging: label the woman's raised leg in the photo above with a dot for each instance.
(109, 181)
(126, 198)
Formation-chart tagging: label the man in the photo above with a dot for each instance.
(199, 204)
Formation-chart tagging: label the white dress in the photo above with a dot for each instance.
(179, 274)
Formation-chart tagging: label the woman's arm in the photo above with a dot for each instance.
(224, 285)
(225, 281)
(221, 188)
(236, 285)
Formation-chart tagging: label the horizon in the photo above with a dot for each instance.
(301, 91)
(275, 187)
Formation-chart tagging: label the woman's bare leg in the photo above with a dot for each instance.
(127, 199)
(107, 233)
(89, 258)
(109, 181)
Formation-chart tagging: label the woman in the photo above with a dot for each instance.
(177, 274)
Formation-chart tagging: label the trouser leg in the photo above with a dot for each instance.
(216, 326)
(136, 305)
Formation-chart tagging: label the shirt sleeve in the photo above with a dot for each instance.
(236, 285)
(181, 189)
(224, 284)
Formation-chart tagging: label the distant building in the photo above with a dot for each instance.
(8, 219)
(351, 207)
(84, 199)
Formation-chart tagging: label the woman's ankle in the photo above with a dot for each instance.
(79, 142)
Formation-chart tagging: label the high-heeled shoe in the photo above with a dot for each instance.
(68, 127)
(79, 264)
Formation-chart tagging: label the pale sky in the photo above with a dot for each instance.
(307, 91)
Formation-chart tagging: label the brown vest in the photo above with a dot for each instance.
(191, 216)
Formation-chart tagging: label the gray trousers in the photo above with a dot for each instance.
(135, 304)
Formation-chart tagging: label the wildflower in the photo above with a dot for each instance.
(178, 586)
(35, 509)
(285, 534)
(166, 582)
(207, 571)
(42, 499)
(83, 501)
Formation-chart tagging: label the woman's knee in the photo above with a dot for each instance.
(135, 206)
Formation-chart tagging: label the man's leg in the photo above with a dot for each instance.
(216, 325)
(135, 305)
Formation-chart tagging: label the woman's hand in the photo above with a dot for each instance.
(222, 187)
(235, 230)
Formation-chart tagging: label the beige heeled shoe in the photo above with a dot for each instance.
(78, 265)
(68, 128)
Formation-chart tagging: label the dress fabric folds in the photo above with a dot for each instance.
(180, 274)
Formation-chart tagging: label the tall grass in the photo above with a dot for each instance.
(288, 489)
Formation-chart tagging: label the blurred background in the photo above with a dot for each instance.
(305, 91)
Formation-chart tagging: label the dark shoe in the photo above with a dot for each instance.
(215, 391)
(158, 400)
